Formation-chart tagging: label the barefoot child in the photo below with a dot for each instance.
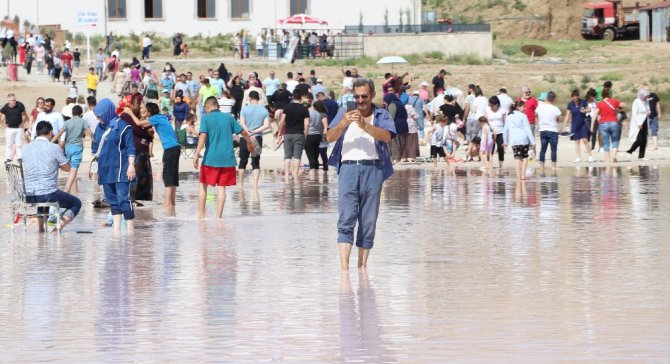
(437, 142)
(518, 135)
(486, 146)
(171, 148)
(75, 128)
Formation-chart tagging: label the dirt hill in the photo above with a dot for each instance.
(539, 19)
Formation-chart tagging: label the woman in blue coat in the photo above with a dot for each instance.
(114, 151)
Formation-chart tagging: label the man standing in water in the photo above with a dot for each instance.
(218, 165)
(361, 155)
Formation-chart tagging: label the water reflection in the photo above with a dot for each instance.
(467, 267)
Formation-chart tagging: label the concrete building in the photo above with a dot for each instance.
(654, 21)
(207, 16)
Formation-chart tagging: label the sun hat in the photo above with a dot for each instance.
(424, 83)
(416, 92)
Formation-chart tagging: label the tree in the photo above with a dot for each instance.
(408, 19)
(360, 22)
(17, 21)
(386, 21)
(400, 12)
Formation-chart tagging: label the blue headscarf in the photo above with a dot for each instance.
(106, 112)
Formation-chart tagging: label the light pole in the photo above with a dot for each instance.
(104, 5)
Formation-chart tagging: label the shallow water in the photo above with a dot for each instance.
(466, 268)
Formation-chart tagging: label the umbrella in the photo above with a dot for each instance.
(302, 19)
(391, 60)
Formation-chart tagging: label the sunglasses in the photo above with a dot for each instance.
(364, 97)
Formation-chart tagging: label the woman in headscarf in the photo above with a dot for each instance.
(237, 92)
(142, 188)
(114, 153)
(639, 124)
(399, 115)
(223, 73)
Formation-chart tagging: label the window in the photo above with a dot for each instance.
(153, 9)
(239, 9)
(116, 8)
(298, 7)
(206, 8)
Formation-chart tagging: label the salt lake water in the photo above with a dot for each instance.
(466, 268)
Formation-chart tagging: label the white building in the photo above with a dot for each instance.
(207, 16)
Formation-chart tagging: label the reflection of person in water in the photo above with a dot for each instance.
(360, 330)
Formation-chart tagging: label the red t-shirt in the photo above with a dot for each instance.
(607, 114)
(67, 58)
(531, 105)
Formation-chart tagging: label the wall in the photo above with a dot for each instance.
(480, 44)
(180, 15)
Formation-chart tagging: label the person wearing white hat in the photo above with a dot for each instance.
(347, 94)
(423, 92)
(417, 103)
(319, 87)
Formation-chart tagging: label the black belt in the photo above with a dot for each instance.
(364, 162)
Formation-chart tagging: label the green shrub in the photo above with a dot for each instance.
(435, 55)
(519, 5)
(612, 76)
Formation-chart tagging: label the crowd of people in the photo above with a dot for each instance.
(219, 111)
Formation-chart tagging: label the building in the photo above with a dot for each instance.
(207, 17)
(654, 22)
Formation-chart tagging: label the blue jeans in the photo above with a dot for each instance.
(549, 138)
(610, 134)
(118, 197)
(359, 190)
(66, 201)
(653, 126)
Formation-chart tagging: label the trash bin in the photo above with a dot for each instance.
(13, 71)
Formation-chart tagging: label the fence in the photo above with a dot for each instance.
(422, 28)
(344, 47)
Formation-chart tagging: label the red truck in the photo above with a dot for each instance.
(610, 20)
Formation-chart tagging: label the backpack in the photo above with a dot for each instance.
(110, 65)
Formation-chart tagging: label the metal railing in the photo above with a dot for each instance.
(422, 28)
(344, 47)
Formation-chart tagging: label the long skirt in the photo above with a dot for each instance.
(143, 187)
(398, 146)
(411, 150)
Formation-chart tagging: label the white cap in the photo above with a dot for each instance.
(424, 83)
(318, 80)
(67, 110)
(416, 92)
